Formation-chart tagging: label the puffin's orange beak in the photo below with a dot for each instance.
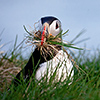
(43, 35)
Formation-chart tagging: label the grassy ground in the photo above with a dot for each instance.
(84, 86)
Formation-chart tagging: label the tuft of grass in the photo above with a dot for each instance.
(11, 63)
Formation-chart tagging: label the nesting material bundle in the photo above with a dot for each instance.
(50, 47)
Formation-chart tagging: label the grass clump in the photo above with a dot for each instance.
(11, 63)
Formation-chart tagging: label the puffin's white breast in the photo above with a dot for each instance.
(60, 62)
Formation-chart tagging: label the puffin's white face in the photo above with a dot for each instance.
(55, 27)
(49, 26)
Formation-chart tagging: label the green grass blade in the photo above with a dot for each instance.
(77, 36)
(27, 30)
(66, 45)
(81, 41)
(65, 32)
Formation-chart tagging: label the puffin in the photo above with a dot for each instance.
(38, 66)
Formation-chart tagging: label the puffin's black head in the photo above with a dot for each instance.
(48, 19)
(49, 26)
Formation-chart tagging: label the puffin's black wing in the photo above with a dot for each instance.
(31, 66)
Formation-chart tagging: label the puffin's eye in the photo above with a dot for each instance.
(57, 25)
